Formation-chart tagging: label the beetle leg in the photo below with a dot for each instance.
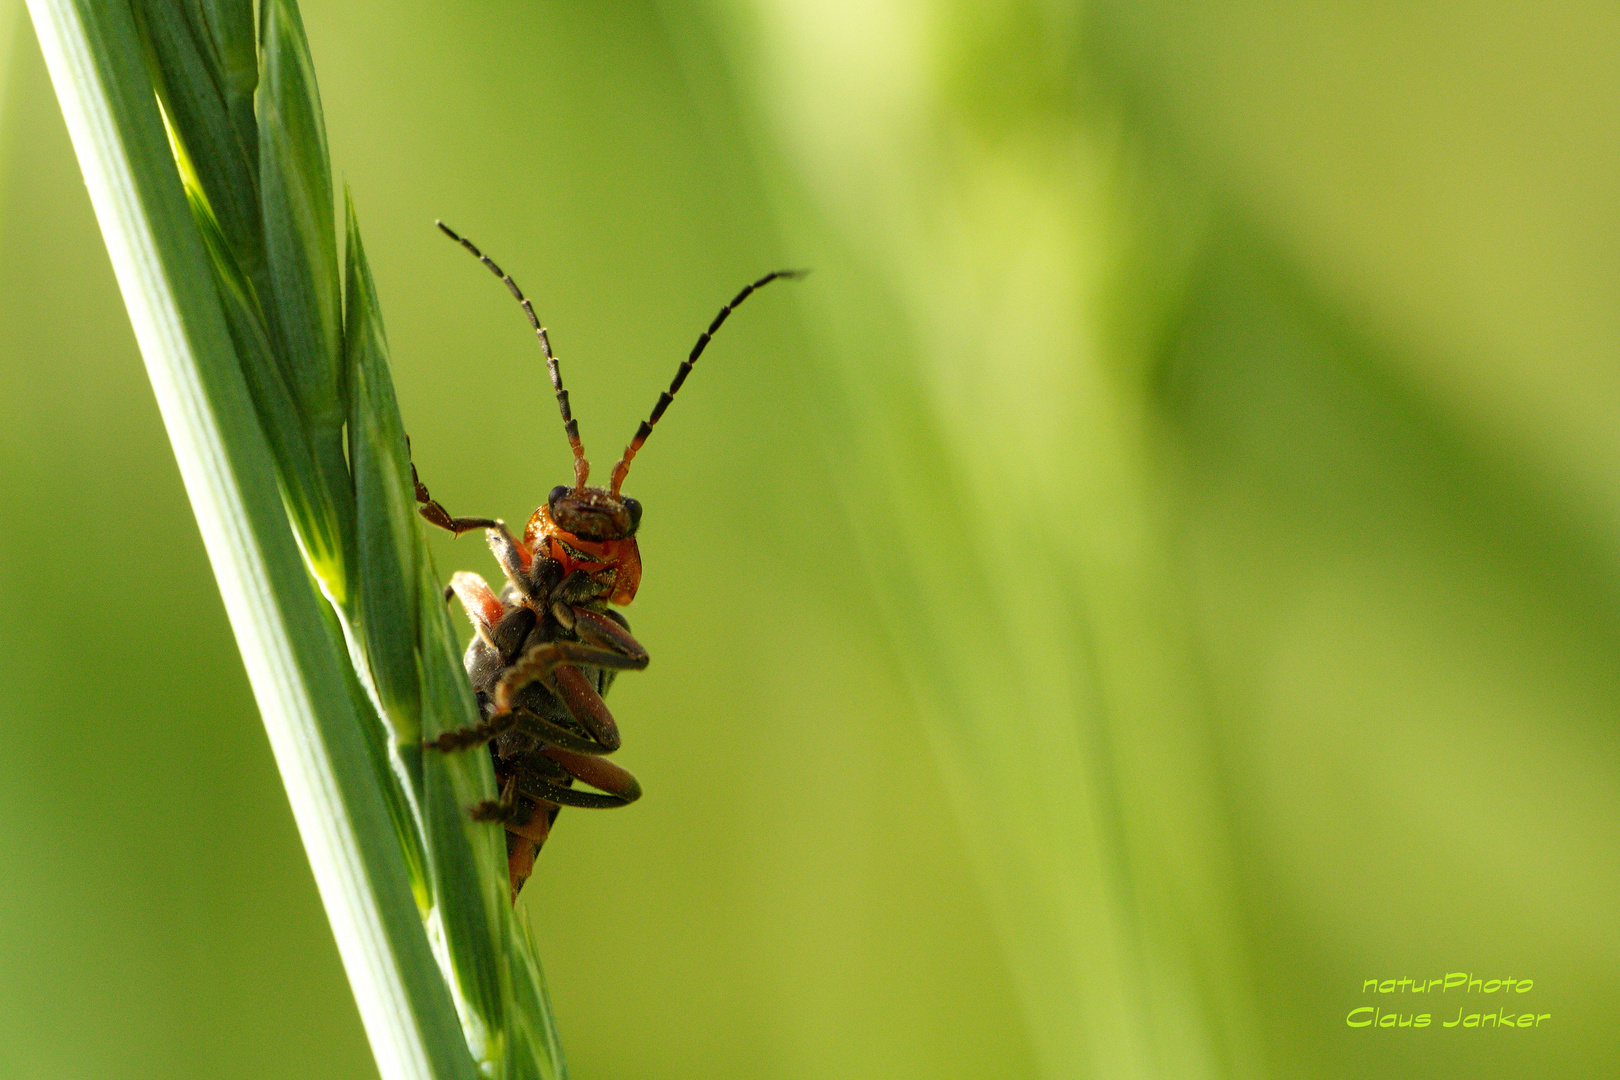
(484, 608)
(532, 723)
(556, 661)
(438, 515)
(585, 704)
(503, 809)
(551, 784)
(553, 660)
(475, 735)
(512, 556)
(605, 637)
(567, 796)
(533, 823)
(598, 772)
(609, 633)
(526, 831)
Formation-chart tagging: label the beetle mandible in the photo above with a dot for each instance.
(548, 646)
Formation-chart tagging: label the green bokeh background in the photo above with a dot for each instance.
(1158, 572)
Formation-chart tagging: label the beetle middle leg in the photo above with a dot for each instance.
(559, 663)
(609, 633)
(555, 660)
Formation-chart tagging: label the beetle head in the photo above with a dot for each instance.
(593, 513)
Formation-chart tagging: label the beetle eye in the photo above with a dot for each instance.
(556, 493)
(633, 506)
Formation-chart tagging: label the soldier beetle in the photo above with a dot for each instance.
(547, 647)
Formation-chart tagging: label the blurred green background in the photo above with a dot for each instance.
(1159, 572)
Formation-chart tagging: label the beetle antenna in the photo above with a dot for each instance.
(623, 467)
(582, 468)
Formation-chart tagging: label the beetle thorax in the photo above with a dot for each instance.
(613, 561)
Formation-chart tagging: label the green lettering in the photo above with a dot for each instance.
(1387, 986)
(1373, 983)
(1527, 1019)
(1350, 1020)
(1404, 984)
(1406, 1021)
(1507, 984)
(1473, 983)
(1525, 985)
(1422, 1020)
(1543, 1016)
(1471, 1020)
(1387, 1020)
(1454, 978)
(1495, 1018)
(1453, 1023)
(1493, 986)
(1434, 983)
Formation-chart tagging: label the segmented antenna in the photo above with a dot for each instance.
(582, 468)
(622, 469)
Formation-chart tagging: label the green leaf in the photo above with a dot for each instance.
(467, 858)
(216, 163)
(383, 667)
(489, 958)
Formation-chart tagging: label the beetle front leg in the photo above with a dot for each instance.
(436, 514)
(512, 556)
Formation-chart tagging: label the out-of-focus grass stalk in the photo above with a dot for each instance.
(273, 381)
(997, 454)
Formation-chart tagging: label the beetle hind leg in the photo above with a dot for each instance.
(614, 783)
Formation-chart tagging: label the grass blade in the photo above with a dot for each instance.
(294, 661)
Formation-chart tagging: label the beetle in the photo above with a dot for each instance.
(546, 648)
